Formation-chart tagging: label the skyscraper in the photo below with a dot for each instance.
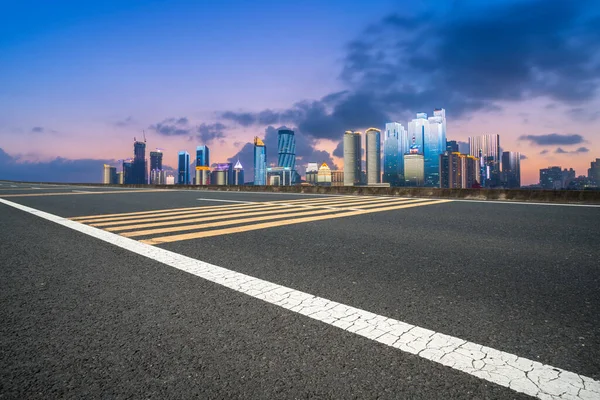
(183, 170)
(139, 174)
(434, 144)
(373, 150)
(450, 170)
(352, 158)
(395, 145)
(414, 165)
(452, 146)
(286, 149)
(418, 130)
(156, 160)
(260, 162)
(511, 169)
(202, 156)
(487, 148)
(128, 177)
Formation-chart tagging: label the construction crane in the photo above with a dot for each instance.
(144, 133)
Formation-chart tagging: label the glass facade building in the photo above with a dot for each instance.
(395, 145)
(260, 162)
(487, 148)
(202, 156)
(286, 149)
(183, 169)
(139, 174)
(511, 169)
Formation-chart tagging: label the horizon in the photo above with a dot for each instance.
(80, 82)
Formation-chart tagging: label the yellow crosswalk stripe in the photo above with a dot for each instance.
(245, 228)
(191, 224)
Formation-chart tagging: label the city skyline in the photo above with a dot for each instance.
(55, 124)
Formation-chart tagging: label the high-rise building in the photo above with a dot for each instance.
(110, 175)
(221, 174)
(286, 149)
(202, 156)
(434, 144)
(551, 178)
(120, 177)
(414, 169)
(352, 158)
(469, 166)
(183, 169)
(337, 177)
(395, 145)
(452, 146)
(156, 160)
(312, 170)
(260, 162)
(487, 149)
(450, 170)
(594, 172)
(511, 169)
(238, 174)
(139, 166)
(568, 175)
(373, 150)
(157, 177)
(128, 177)
(418, 130)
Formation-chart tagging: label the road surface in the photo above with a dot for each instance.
(123, 293)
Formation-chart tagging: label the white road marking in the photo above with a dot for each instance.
(517, 373)
(81, 191)
(229, 201)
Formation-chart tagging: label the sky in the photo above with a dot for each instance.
(79, 80)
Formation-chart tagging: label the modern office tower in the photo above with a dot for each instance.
(551, 178)
(511, 169)
(337, 178)
(156, 160)
(110, 175)
(312, 170)
(450, 170)
(414, 169)
(594, 172)
(373, 150)
(394, 147)
(286, 149)
(352, 158)
(418, 130)
(452, 146)
(260, 162)
(469, 171)
(434, 144)
(128, 177)
(238, 174)
(487, 148)
(279, 176)
(183, 169)
(139, 166)
(324, 175)
(202, 156)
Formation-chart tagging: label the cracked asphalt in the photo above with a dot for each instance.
(83, 318)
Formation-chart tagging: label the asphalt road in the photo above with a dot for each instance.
(84, 319)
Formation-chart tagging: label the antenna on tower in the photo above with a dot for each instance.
(144, 133)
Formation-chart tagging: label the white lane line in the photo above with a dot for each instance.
(517, 373)
(82, 191)
(230, 201)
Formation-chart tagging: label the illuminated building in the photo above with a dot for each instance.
(286, 149)
(202, 175)
(183, 169)
(458, 171)
(202, 156)
(238, 174)
(128, 172)
(373, 151)
(487, 149)
(312, 170)
(157, 175)
(414, 166)
(352, 158)
(551, 178)
(279, 176)
(260, 162)
(324, 175)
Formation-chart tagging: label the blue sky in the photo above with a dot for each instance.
(79, 79)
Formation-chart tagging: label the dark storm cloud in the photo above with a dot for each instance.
(205, 133)
(578, 151)
(465, 60)
(208, 132)
(57, 170)
(305, 152)
(553, 139)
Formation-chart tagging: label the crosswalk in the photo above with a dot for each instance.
(177, 224)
